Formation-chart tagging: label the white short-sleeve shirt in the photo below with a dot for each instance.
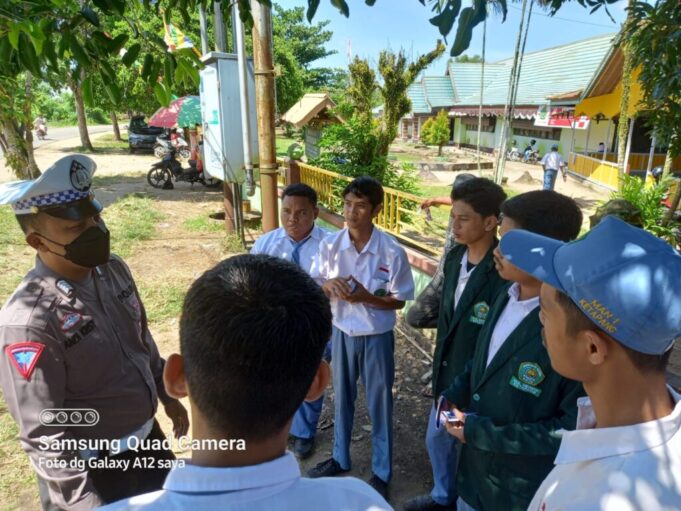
(382, 268)
(272, 486)
(278, 244)
(553, 160)
(628, 468)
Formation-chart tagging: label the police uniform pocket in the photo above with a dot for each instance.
(85, 353)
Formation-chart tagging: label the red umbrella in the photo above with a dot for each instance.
(181, 113)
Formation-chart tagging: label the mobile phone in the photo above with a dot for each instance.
(449, 417)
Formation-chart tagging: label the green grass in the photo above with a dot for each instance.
(18, 484)
(104, 144)
(405, 157)
(202, 223)
(131, 220)
(112, 179)
(162, 301)
(283, 144)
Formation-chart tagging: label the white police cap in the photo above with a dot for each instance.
(63, 190)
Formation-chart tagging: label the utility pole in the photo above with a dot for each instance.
(265, 104)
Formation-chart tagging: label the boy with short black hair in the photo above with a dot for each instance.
(242, 324)
(514, 402)
(611, 310)
(470, 285)
(366, 275)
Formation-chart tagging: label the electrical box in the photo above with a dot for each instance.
(221, 114)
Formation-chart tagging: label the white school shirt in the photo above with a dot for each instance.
(464, 277)
(382, 267)
(513, 314)
(553, 160)
(274, 485)
(278, 244)
(623, 468)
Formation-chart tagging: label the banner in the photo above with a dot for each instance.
(560, 117)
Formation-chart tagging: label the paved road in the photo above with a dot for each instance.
(55, 134)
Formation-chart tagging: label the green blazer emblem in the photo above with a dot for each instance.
(529, 376)
(480, 311)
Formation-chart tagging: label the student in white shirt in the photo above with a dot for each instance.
(552, 163)
(242, 323)
(611, 310)
(366, 275)
(297, 240)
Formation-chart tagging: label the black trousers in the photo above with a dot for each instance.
(114, 484)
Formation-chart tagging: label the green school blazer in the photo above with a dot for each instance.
(457, 331)
(519, 403)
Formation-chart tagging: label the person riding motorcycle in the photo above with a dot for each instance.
(529, 150)
(40, 125)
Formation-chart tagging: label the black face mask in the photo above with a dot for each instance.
(90, 249)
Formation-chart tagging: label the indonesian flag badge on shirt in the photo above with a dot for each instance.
(24, 356)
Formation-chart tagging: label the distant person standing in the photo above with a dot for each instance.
(601, 148)
(552, 163)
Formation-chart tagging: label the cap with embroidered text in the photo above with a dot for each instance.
(62, 191)
(627, 281)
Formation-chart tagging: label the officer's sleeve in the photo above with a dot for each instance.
(425, 310)
(401, 280)
(459, 391)
(529, 439)
(67, 479)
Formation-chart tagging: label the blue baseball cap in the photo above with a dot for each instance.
(627, 281)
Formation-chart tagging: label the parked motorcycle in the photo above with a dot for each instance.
(162, 173)
(164, 145)
(533, 157)
(513, 154)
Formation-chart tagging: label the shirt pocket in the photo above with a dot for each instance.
(380, 281)
(86, 357)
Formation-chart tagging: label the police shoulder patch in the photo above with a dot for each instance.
(24, 356)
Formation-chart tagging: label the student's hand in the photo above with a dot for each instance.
(360, 294)
(337, 288)
(426, 203)
(456, 429)
(178, 414)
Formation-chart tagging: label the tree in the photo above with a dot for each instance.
(466, 59)
(436, 131)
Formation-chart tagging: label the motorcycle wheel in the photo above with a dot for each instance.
(158, 177)
(185, 153)
(159, 152)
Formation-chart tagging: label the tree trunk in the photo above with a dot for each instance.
(28, 132)
(16, 152)
(116, 129)
(623, 122)
(439, 150)
(676, 198)
(80, 112)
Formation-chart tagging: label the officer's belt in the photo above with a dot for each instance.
(139, 434)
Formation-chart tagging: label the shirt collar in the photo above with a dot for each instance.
(586, 443)
(195, 479)
(316, 233)
(372, 246)
(514, 294)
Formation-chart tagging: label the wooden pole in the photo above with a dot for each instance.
(265, 105)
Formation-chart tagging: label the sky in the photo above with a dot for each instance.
(403, 24)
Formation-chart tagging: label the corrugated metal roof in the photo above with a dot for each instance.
(565, 68)
(439, 92)
(465, 77)
(549, 72)
(417, 95)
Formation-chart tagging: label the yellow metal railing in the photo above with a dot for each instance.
(639, 161)
(594, 169)
(400, 215)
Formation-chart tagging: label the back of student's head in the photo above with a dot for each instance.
(300, 190)
(252, 334)
(365, 187)
(545, 212)
(481, 194)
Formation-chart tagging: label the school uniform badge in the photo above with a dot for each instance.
(480, 311)
(530, 375)
(24, 356)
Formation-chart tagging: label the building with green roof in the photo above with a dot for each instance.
(554, 77)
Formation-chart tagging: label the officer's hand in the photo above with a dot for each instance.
(360, 294)
(337, 288)
(456, 428)
(178, 414)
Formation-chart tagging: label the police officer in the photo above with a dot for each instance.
(80, 371)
